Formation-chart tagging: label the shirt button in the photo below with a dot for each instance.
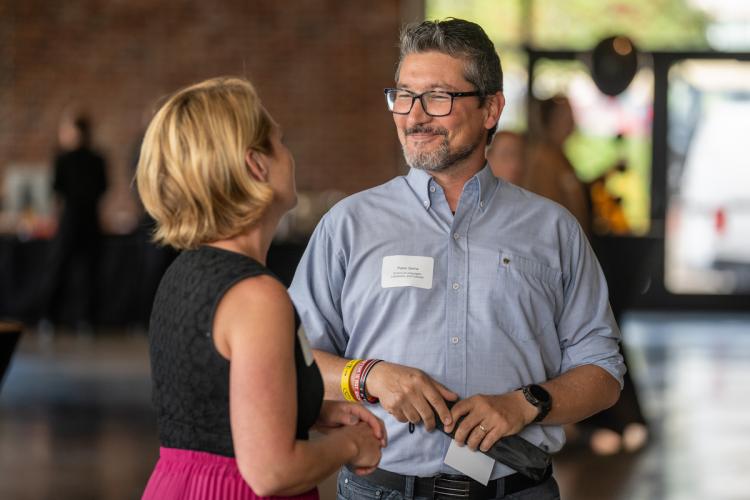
(426, 203)
(454, 340)
(456, 286)
(481, 204)
(456, 236)
(432, 189)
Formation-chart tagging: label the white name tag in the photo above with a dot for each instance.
(474, 464)
(407, 270)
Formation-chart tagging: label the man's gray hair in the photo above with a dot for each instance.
(461, 39)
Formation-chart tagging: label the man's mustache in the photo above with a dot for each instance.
(418, 129)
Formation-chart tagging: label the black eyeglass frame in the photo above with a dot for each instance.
(414, 97)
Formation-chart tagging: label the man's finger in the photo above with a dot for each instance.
(465, 428)
(437, 401)
(445, 392)
(399, 415)
(411, 414)
(425, 412)
(490, 439)
(476, 436)
(460, 409)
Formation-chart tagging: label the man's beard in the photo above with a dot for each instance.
(437, 160)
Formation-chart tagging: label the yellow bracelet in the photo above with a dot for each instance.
(346, 388)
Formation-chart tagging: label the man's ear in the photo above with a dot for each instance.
(255, 166)
(494, 108)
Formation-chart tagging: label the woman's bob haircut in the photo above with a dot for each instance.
(192, 176)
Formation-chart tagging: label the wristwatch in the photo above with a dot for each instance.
(539, 397)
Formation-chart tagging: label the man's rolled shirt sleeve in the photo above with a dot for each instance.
(587, 330)
(316, 292)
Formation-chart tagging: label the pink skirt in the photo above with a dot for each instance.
(197, 475)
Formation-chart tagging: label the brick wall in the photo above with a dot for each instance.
(319, 65)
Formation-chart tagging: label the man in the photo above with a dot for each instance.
(464, 285)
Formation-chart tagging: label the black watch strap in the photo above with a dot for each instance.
(539, 397)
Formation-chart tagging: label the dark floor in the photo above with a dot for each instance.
(76, 420)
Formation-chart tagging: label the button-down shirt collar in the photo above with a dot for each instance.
(425, 186)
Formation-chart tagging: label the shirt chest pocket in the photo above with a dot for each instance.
(526, 296)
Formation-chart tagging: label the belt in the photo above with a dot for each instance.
(452, 486)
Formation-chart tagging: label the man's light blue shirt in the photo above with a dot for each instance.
(516, 297)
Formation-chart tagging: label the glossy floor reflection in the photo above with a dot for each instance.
(76, 419)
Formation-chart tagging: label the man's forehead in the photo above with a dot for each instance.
(431, 70)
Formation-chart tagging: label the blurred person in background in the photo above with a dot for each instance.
(506, 155)
(80, 180)
(235, 385)
(550, 173)
(621, 427)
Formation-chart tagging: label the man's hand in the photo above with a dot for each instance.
(488, 418)
(409, 394)
(336, 414)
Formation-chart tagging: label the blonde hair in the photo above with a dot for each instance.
(192, 175)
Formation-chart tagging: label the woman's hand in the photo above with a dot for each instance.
(335, 414)
(368, 447)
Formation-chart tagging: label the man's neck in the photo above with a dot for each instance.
(453, 180)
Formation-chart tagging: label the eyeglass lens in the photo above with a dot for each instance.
(433, 103)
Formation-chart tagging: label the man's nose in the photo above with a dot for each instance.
(417, 113)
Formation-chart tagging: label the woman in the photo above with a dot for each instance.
(235, 389)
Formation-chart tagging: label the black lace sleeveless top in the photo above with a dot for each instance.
(190, 377)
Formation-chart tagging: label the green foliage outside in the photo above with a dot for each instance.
(593, 155)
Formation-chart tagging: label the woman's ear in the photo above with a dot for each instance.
(255, 165)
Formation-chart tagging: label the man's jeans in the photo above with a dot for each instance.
(353, 487)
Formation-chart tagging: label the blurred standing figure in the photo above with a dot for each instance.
(550, 173)
(235, 385)
(507, 156)
(79, 183)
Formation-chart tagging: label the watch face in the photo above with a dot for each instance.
(539, 393)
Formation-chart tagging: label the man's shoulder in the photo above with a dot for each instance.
(520, 204)
(531, 201)
(366, 202)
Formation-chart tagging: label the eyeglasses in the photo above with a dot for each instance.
(434, 102)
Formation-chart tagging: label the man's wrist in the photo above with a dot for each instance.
(529, 411)
(373, 378)
(538, 397)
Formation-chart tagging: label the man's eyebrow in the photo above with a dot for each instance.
(434, 85)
